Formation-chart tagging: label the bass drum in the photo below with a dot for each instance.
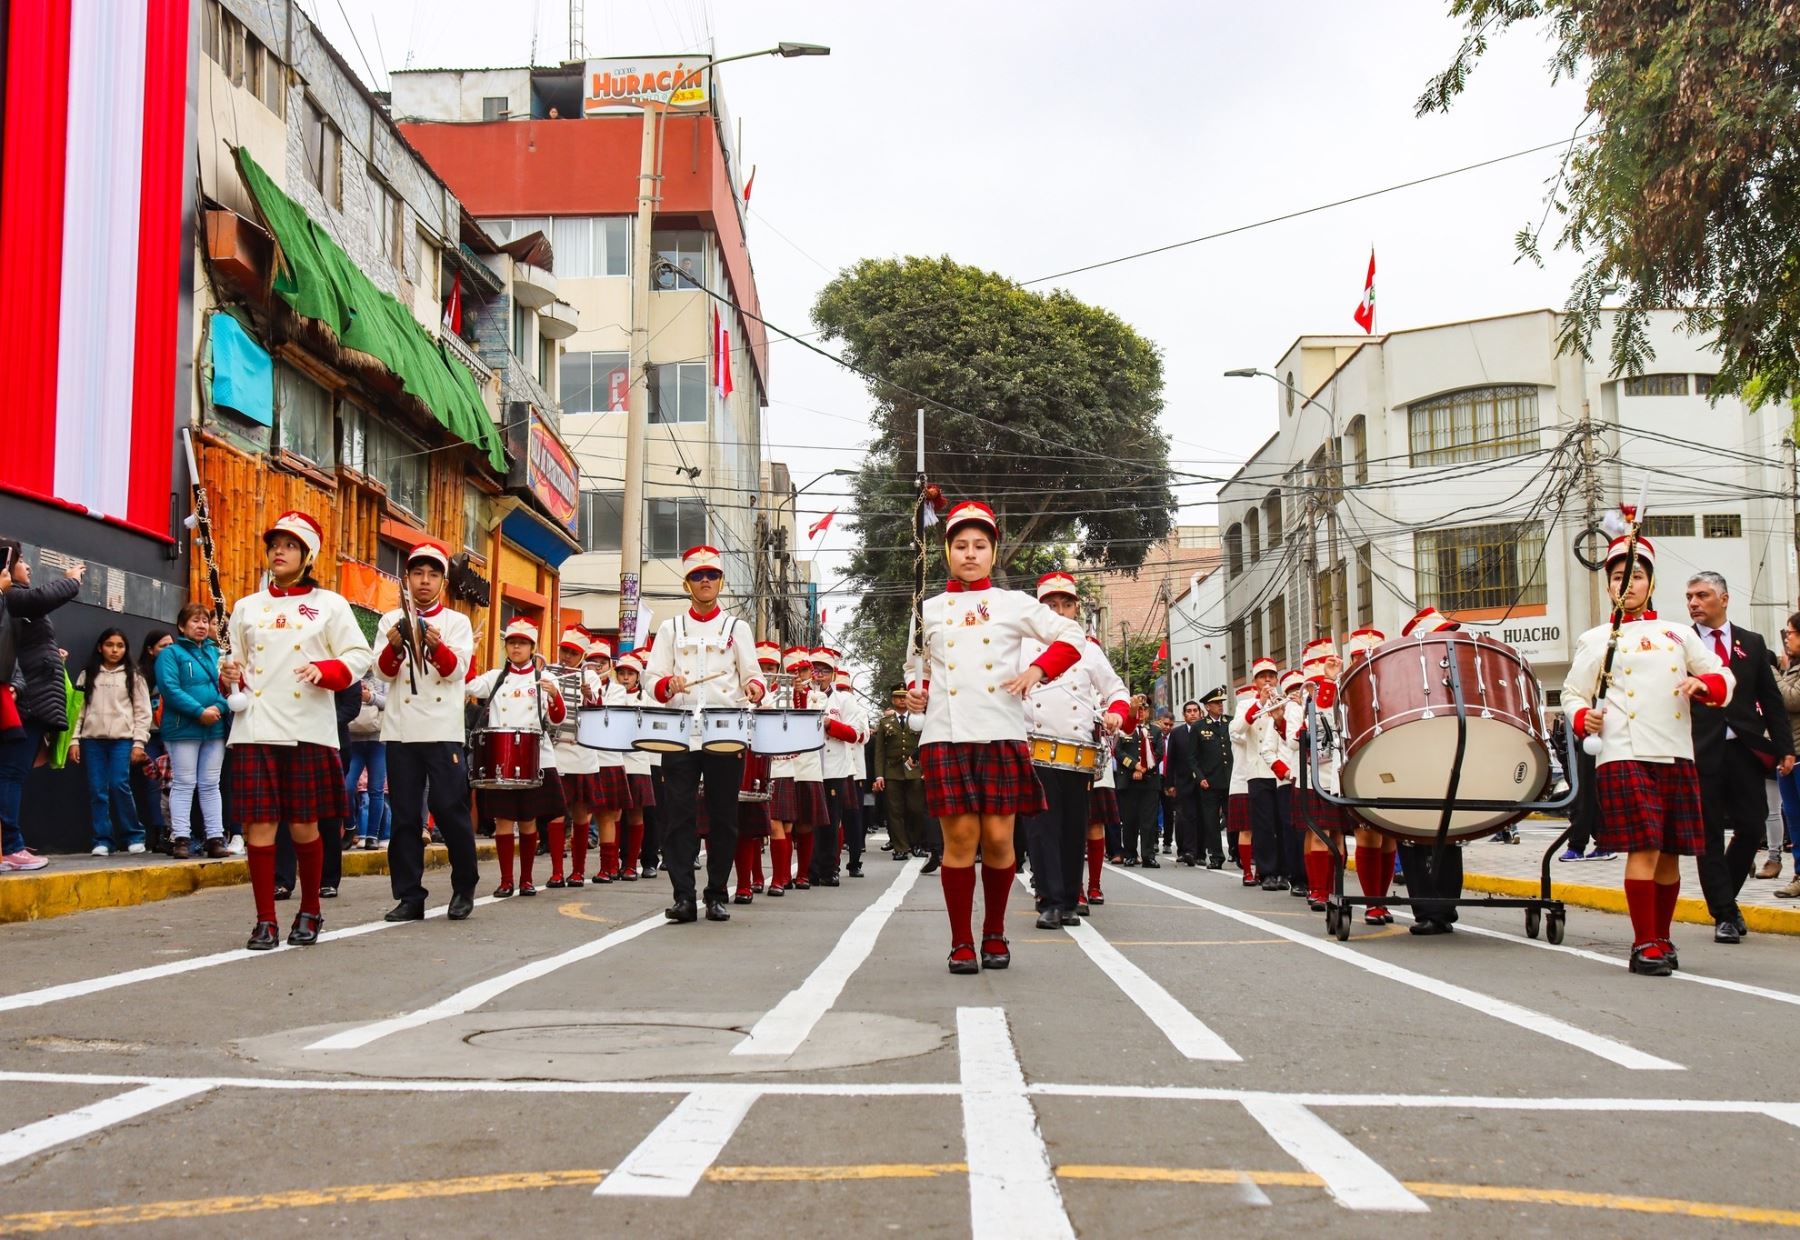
(1400, 732)
(756, 784)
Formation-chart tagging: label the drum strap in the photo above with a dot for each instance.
(487, 707)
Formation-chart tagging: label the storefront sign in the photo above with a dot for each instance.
(627, 83)
(544, 466)
(1539, 639)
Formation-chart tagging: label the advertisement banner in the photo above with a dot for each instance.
(544, 466)
(624, 84)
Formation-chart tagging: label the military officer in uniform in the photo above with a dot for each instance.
(1212, 752)
(897, 775)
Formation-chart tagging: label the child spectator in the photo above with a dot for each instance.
(193, 730)
(115, 728)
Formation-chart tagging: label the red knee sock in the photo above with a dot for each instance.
(1368, 871)
(262, 878)
(578, 848)
(1390, 860)
(959, 901)
(1640, 901)
(1247, 857)
(527, 855)
(996, 885)
(748, 849)
(558, 830)
(634, 844)
(309, 864)
(779, 852)
(756, 854)
(503, 844)
(609, 858)
(1318, 874)
(1096, 857)
(1666, 896)
(803, 857)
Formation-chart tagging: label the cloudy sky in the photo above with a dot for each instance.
(1031, 138)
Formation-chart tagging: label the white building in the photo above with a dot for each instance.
(1467, 469)
(1197, 640)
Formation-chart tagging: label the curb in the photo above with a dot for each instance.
(1612, 900)
(44, 894)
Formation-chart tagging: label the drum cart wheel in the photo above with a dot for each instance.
(1532, 919)
(1553, 928)
(1343, 926)
(1331, 919)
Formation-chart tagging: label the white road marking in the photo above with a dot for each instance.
(31, 1139)
(1356, 1180)
(1185, 1031)
(1251, 1193)
(472, 997)
(1012, 1190)
(174, 968)
(789, 1023)
(1500, 1009)
(1786, 1112)
(679, 1151)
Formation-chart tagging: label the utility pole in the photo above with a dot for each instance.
(637, 417)
(1593, 499)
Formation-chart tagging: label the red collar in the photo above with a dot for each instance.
(429, 612)
(1643, 615)
(276, 591)
(518, 669)
(957, 586)
(708, 616)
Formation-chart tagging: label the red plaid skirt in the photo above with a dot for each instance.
(605, 789)
(1324, 815)
(643, 792)
(286, 783)
(1650, 805)
(980, 777)
(525, 804)
(798, 804)
(1237, 814)
(1103, 807)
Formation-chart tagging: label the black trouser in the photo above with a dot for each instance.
(856, 830)
(1584, 814)
(680, 833)
(1171, 819)
(433, 773)
(651, 853)
(1187, 820)
(1733, 796)
(1432, 887)
(893, 815)
(1212, 822)
(844, 799)
(1137, 807)
(906, 808)
(1057, 838)
(331, 869)
(1266, 824)
(1293, 837)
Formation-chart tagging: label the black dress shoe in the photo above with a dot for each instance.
(1429, 927)
(682, 911)
(1071, 917)
(1050, 919)
(1215, 863)
(1272, 884)
(830, 880)
(965, 965)
(742, 897)
(904, 856)
(305, 930)
(1081, 910)
(1742, 929)
(1151, 864)
(756, 889)
(405, 911)
(328, 893)
(854, 869)
(1184, 859)
(716, 910)
(1650, 966)
(1727, 932)
(650, 870)
(503, 892)
(803, 884)
(555, 884)
(461, 905)
(1298, 891)
(932, 862)
(998, 958)
(921, 853)
(264, 937)
(284, 893)
(526, 889)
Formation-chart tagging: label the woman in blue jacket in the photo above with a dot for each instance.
(193, 729)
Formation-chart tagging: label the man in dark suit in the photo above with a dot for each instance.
(1137, 760)
(1212, 755)
(1726, 747)
(1181, 774)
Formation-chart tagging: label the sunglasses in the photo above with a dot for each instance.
(706, 574)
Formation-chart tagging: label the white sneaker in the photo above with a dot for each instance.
(136, 848)
(236, 846)
(100, 850)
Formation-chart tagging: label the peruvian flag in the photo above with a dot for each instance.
(96, 155)
(1162, 653)
(821, 525)
(1365, 310)
(749, 185)
(453, 307)
(822, 614)
(721, 356)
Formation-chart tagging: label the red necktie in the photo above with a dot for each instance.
(1144, 737)
(1719, 648)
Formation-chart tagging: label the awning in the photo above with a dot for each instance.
(538, 537)
(317, 279)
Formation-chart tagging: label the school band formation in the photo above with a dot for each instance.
(1028, 742)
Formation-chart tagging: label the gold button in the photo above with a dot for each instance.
(953, 667)
(296, 693)
(950, 642)
(986, 640)
(990, 688)
(1632, 715)
(259, 693)
(296, 645)
(990, 667)
(953, 693)
(259, 645)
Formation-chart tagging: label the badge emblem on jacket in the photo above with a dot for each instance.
(979, 615)
(1644, 643)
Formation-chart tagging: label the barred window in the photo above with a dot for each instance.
(1663, 526)
(1256, 635)
(1239, 665)
(1250, 524)
(1365, 587)
(1480, 567)
(1656, 385)
(1234, 551)
(1272, 518)
(1477, 424)
(1724, 525)
(1357, 441)
(1278, 646)
(1703, 385)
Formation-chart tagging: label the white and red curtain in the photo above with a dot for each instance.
(90, 247)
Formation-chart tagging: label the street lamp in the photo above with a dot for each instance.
(1334, 468)
(637, 418)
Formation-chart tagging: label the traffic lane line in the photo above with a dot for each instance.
(678, 1152)
(1012, 1189)
(84, 1121)
(1353, 1178)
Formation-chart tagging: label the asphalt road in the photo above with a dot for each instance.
(1198, 1059)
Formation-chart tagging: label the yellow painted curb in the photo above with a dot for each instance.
(54, 893)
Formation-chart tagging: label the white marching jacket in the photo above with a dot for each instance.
(1646, 719)
(1253, 724)
(1070, 706)
(839, 758)
(1239, 732)
(1278, 741)
(435, 712)
(973, 642)
(696, 648)
(521, 704)
(273, 636)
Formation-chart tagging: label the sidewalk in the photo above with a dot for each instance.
(1512, 870)
(76, 883)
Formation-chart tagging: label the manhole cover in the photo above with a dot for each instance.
(601, 1040)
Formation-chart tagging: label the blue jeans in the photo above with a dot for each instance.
(195, 765)
(108, 764)
(372, 757)
(374, 817)
(1789, 786)
(16, 757)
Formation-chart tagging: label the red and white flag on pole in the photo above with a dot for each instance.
(721, 356)
(1365, 310)
(821, 525)
(453, 307)
(822, 614)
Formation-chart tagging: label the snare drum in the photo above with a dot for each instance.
(612, 728)
(504, 760)
(780, 732)
(1400, 732)
(1064, 755)
(724, 729)
(662, 729)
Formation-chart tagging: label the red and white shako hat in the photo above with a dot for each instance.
(696, 558)
(1291, 680)
(301, 527)
(766, 652)
(1361, 641)
(1244, 691)
(599, 648)
(843, 679)
(1646, 553)
(970, 512)
(521, 627)
(575, 638)
(631, 661)
(796, 659)
(1056, 583)
(1317, 651)
(824, 656)
(1429, 620)
(1263, 665)
(432, 551)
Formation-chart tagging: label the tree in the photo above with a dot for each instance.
(1686, 191)
(1037, 403)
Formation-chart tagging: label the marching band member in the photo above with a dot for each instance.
(1269, 811)
(628, 669)
(1320, 666)
(1280, 752)
(294, 646)
(1088, 697)
(1649, 791)
(1375, 852)
(859, 777)
(1237, 799)
(753, 816)
(702, 658)
(612, 789)
(1434, 878)
(846, 728)
(576, 765)
(1103, 810)
(422, 728)
(806, 774)
(520, 696)
(976, 762)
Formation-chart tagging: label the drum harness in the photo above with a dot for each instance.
(538, 665)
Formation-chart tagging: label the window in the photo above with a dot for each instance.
(1724, 525)
(595, 382)
(685, 249)
(1234, 551)
(1357, 440)
(1287, 392)
(521, 330)
(678, 392)
(1479, 424)
(495, 107)
(1656, 385)
(1365, 587)
(429, 271)
(324, 154)
(1703, 385)
(602, 521)
(265, 77)
(504, 230)
(1278, 647)
(1251, 529)
(1479, 567)
(390, 557)
(474, 536)
(1272, 519)
(1668, 526)
(591, 246)
(1234, 638)
(546, 371)
(390, 219)
(1256, 635)
(675, 525)
(303, 421)
(403, 467)
(353, 439)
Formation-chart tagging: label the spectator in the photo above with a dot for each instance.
(14, 855)
(1789, 784)
(37, 688)
(366, 755)
(150, 782)
(193, 730)
(111, 739)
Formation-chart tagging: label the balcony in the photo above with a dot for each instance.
(461, 353)
(558, 321)
(533, 287)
